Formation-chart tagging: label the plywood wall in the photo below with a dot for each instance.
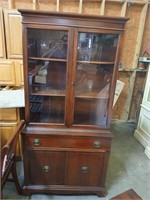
(136, 38)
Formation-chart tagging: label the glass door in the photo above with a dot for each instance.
(47, 68)
(94, 71)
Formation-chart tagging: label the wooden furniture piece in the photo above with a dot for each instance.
(8, 159)
(142, 132)
(9, 119)
(70, 66)
(11, 70)
(127, 195)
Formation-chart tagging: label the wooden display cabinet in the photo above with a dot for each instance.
(70, 66)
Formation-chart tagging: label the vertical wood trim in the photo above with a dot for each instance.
(140, 35)
(10, 4)
(129, 96)
(57, 6)
(35, 7)
(80, 6)
(2, 37)
(102, 9)
(123, 9)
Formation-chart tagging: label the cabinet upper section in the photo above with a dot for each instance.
(75, 20)
(70, 65)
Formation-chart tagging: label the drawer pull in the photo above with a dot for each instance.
(46, 168)
(97, 144)
(84, 169)
(36, 142)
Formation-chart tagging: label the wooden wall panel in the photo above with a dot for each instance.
(69, 6)
(23, 4)
(130, 35)
(113, 9)
(91, 7)
(47, 5)
(3, 4)
(146, 35)
(137, 96)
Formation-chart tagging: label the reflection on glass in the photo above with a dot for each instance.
(47, 43)
(47, 75)
(47, 82)
(47, 65)
(47, 109)
(94, 69)
(92, 93)
(97, 47)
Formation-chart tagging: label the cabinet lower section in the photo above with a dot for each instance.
(65, 163)
(64, 189)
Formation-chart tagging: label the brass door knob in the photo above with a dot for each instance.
(97, 144)
(46, 168)
(36, 142)
(84, 169)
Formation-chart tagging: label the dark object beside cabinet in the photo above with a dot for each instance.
(127, 195)
(70, 66)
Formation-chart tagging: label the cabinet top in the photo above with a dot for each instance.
(72, 19)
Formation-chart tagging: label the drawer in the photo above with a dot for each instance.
(9, 114)
(67, 142)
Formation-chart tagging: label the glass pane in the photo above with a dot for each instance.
(47, 109)
(92, 93)
(97, 47)
(47, 75)
(47, 43)
(94, 70)
(47, 81)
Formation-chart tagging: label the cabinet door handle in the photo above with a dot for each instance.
(84, 169)
(97, 144)
(46, 168)
(36, 142)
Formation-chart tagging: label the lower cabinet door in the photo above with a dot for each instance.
(84, 169)
(45, 167)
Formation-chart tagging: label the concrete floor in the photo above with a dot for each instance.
(128, 168)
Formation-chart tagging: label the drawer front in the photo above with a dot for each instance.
(68, 142)
(9, 114)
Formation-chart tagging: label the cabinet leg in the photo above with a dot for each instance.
(102, 193)
(26, 192)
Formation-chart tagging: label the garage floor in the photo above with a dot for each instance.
(128, 168)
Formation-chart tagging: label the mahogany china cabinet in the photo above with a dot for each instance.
(70, 66)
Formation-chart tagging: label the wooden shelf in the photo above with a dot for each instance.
(95, 62)
(45, 91)
(48, 59)
(91, 95)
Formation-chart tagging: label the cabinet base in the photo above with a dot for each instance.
(99, 191)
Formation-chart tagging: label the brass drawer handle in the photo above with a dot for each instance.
(46, 168)
(84, 169)
(97, 144)
(36, 142)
